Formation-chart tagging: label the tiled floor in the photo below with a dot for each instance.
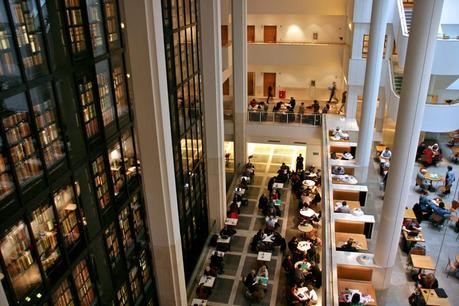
(229, 289)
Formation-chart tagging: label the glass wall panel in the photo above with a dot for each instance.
(16, 123)
(88, 107)
(145, 267)
(6, 180)
(29, 34)
(44, 230)
(116, 168)
(119, 84)
(105, 92)
(75, 27)
(49, 133)
(125, 228)
(100, 180)
(83, 284)
(129, 155)
(134, 281)
(66, 207)
(20, 264)
(96, 27)
(112, 24)
(137, 214)
(113, 248)
(9, 70)
(63, 295)
(122, 295)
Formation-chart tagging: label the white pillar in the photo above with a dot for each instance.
(351, 102)
(418, 66)
(379, 125)
(149, 79)
(239, 15)
(213, 111)
(379, 16)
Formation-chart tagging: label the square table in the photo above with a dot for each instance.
(207, 281)
(360, 239)
(364, 287)
(380, 148)
(231, 221)
(432, 299)
(218, 253)
(422, 262)
(409, 214)
(278, 185)
(418, 238)
(199, 302)
(264, 256)
(350, 204)
(221, 240)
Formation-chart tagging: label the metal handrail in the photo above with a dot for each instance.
(283, 117)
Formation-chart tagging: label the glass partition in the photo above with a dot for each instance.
(66, 207)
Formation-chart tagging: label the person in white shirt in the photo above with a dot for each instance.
(343, 208)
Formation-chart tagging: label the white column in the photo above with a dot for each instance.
(153, 127)
(213, 111)
(379, 16)
(351, 102)
(239, 16)
(381, 112)
(418, 66)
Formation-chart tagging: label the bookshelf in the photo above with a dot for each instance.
(137, 215)
(105, 92)
(113, 248)
(45, 233)
(145, 267)
(64, 200)
(9, 70)
(83, 284)
(63, 295)
(126, 233)
(100, 181)
(45, 115)
(75, 24)
(134, 281)
(127, 146)
(116, 168)
(112, 24)
(96, 27)
(122, 295)
(119, 86)
(16, 124)
(6, 181)
(88, 107)
(29, 36)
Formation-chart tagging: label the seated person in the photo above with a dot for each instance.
(315, 107)
(355, 300)
(271, 222)
(441, 210)
(227, 231)
(208, 271)
(288, 264)
(250, 281)
(274, 195)
(292, 103)
(338, 170)
(348, 246)
(427, 281)
(216, 262)
(386, 154)
(326, 109)
(263, 202)
(203, 292)
(421, 179)
(425, 202)
(293, 244)
(257, 239)
(244, 184)
(454, 267)
(253, 103)
(338, 134)
(300, 297)
(343, 208)
(263, 275)
(411, 226)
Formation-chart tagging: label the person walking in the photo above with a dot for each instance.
(270, 93)
(332, 89)
(449, 180)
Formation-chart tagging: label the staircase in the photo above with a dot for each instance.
(398, 80)
(408, 8)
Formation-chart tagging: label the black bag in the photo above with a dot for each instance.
(416, 299)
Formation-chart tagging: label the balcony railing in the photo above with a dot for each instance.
(284, 117)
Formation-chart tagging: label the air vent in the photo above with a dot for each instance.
(274, 141)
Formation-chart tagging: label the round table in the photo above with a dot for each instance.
(433, 177)
(303, 266)
(348, 156)
(305, 228)
(309, 183)
(303, 246)
(308, 212)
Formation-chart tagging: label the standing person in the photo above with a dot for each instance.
(326, 109)
(449, 179)
(332, 89)
(343, 101)
(315, 107)
(292, 103)
(270, 93)
(299, 163)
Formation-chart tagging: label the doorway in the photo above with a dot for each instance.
(251, 83)
(224, 35)
(251, 33)
(269, 79)
(226, 87)
(270, 34)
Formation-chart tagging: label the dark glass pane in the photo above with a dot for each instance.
(125, 228)
(20, 265)
(45, 233)
(122, 295)
(6, 180)
(134, 281)
(44, 109)
(137, 214)
(96, 27)
(30, 36)
(22, 144)
(100, 180)
(75, 24)
(112, 23)
(66, 207)
(128, 155)
(119, 84)
(63, 295)
(105, 92)
(116, 168)
(9, 70)
(113, 248)
(83, 284)
(88, 107)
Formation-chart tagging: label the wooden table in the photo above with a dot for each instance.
(264, 256)
(380, 148)
(305, 228)
(278, 185)
(418, 238)
(207, 281)
(409, 214)
(364, 287)
(422, 262)
(433, 177)
(231, 221)
(360, 239)
(350, 204)
(431, 298)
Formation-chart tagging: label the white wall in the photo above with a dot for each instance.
(450, 12)
(329, 7)
(300, 28)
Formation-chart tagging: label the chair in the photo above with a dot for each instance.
(437, 220)
(448, 268)
(454, 205)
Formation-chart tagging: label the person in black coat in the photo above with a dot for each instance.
(271, 183)
(263, 202)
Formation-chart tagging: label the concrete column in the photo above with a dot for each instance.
(213, 111)
(418, 66)
(389, 44)
(379, 16)
(351, 102)
(149, 81)
(379, 124)
(239, 24)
